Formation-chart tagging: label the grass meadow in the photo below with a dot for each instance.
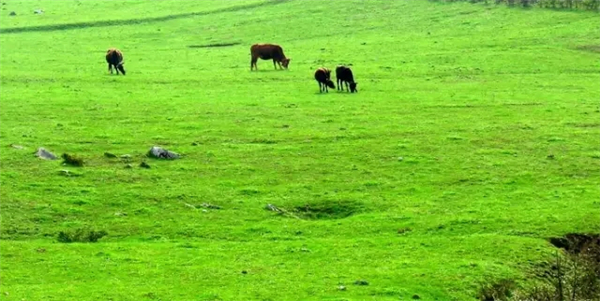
(475, 136)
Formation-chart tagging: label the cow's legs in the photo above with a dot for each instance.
(347, 89)
(253, 64)
(110, 68)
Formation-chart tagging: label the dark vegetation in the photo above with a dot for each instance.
(554, 4)
(574, 275)
(72, 160)
(80, 235)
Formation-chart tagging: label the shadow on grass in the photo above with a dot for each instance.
(107, 23)
(215, 45)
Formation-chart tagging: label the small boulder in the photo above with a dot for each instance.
(16, 146)
(44, 154)
(361, 282)
(109, 155)
(12, 13)
(144, 165)
(38, 11)
(161, 153)
(210, 206)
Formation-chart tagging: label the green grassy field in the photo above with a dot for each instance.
(474, 137)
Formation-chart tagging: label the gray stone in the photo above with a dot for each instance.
(17, 146)
(109, 155)
(44, 154)
(161, 153)
(210, 206)
(273, 208)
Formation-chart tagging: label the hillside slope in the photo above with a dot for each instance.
(473, 138)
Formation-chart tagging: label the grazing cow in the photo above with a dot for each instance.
(323, 77)
(114, 57)
(267, 52)
(344, 75)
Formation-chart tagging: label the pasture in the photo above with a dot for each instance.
(474, 138)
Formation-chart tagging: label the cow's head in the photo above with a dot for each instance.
(330, 84)
(285, 62)
(120, 68)
(353, 87)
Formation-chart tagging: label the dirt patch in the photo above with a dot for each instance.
(591, 48)
(328, 210)
(577, 243)
(215, 45)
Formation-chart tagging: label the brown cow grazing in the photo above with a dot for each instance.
(114, 57)
(344, 75)
(267, 52)
(323, 77)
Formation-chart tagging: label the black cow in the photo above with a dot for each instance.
(344, 75)
(323, 77)
(114, 58)
(267, 52)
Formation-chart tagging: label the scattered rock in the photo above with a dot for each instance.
(194, 143)
(16, 146)
(161, 153)
(144, 165)
(400, 158)
(342, 288)
(126, 156)
(244, 272)
(204, 210)
(44, 154)
(210, 206)
(12, 13)
(416, 297)
(40, 250)
(361, 282)
(38, 11)
(68, 173)
(120, 214)
(72, 160)
(109, 155)
(273, 208)
(550, 157)
(129, 166)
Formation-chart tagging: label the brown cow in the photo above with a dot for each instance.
(344, 75)
(114, 57)
(323, 77)
(267, 52)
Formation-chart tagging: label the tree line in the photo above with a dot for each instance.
(554, 4)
